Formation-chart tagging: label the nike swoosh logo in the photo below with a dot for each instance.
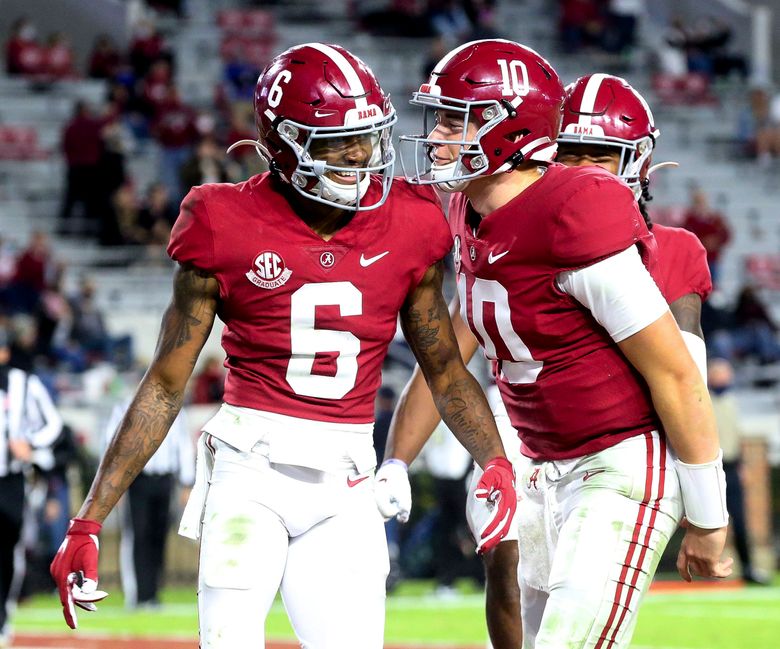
(325, 113)
(352, 483)
(590, 474)
(367, 261)
(494, 258)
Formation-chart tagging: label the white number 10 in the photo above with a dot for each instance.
(523, 368)
(514, 75)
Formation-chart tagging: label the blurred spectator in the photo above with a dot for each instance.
(720, 378)
(240, 76)
(436, 52)
(104, 59)
(23, 53)
(622, 21)
(112, 176)
(23, 331)
(754, 332)
(82, 144)
(147, 47)
(758, 129)
(126, 207)
(448, 19)
(31, 424)
(242, 128)
(58, 57)
(175, 130)
(155, 88)
(53, 317)
(209, 385)
(710, 226)
(705, 47)
(147, 517)
(404, 18)
(385, 405)
(33, 269)
(56, 513)
(207, 165)
(90, 333)
(449, 463)
(157, 216)
(580, 24)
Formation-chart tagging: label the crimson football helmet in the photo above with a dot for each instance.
(605, 110)
(510, 94)
(313, 93)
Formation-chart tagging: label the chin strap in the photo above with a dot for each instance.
(255, 143)
(662, 165)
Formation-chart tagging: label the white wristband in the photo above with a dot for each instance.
(703, 488)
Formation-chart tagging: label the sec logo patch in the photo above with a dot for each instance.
(268, 270)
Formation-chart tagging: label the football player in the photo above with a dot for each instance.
(309, 266)
(552, 266)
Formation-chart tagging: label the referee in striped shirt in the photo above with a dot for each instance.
(29, 423)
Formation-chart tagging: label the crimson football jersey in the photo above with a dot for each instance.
(567, 387)
(307, 321)
(682, 264)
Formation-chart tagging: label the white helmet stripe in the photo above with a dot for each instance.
(356, 88)
(589, 98)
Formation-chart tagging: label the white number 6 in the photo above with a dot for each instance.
(275, 93)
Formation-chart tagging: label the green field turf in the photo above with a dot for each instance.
(742, 619)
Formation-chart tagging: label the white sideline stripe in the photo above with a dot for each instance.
(347, 70)
(589, 98)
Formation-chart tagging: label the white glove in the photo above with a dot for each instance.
(392, 491)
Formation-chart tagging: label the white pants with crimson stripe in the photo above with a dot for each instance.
(591, 533)
(317, 536)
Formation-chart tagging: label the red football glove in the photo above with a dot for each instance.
(497, 487)
(74, 569)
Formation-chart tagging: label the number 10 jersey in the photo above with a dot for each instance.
(568, 389)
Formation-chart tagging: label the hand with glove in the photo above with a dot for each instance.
(74, 569)
(392, 490)
(497, 489)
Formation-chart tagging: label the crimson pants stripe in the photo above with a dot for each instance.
(632, 547)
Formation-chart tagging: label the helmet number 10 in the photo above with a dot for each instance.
(514, 75)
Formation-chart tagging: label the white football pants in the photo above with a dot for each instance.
(591, 533)
(270, 527)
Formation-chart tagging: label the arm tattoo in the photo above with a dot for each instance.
(185, 328)
(139, 435)
(687, 312)
(458, 396)
(189, 307)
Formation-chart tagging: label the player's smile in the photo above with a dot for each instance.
(350, 151)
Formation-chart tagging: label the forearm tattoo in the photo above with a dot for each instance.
(185, 327)
(457, 394)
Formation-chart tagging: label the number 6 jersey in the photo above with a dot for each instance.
(568, 389)
(307, 321)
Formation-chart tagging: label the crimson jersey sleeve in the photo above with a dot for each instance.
(429, 221)
(192, 238)
(683, 269)
(597, 220)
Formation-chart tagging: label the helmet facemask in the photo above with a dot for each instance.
(471, 160)
(634, 155)
(309, 177)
